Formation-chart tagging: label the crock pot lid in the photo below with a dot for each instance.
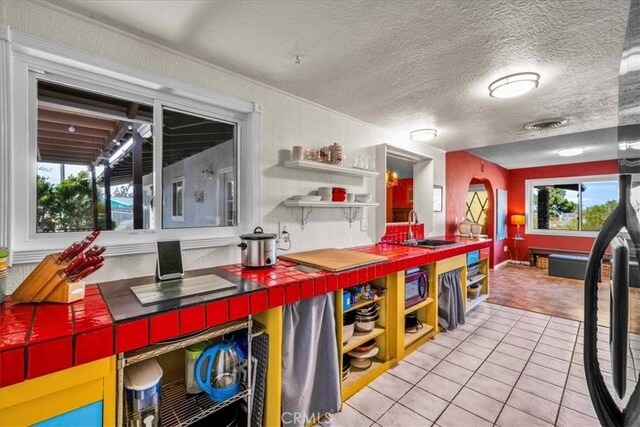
(258, 234)
(142, 375)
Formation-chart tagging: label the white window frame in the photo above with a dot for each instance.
(530, 183)
(23, 59)
(175, 181)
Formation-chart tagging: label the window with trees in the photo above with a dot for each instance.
(570, 205)
(94, 145)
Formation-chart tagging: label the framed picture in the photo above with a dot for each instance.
(437, 198)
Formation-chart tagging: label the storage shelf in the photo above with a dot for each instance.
(363, 303)
(411, 338)
(473, 303)
(329, 168)
(357, 374)
(168, 346)
(359, 338)
(305, 204)
(418, 306)
(475, 279)
(181, 409)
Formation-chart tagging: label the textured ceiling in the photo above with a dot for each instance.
(407, 64)
(601, 144)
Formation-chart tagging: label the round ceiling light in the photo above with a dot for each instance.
(71, 128)
(422, 135)
(514, 85)
(569, 152)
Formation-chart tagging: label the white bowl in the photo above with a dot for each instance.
(311, 198)
(364, 198)
(347, 332)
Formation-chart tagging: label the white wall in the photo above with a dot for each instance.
(286, 121)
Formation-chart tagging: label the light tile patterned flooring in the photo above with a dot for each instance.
(505, 367)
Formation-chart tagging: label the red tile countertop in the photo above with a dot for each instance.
(38, 339)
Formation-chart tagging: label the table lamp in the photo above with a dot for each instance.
(517, 220)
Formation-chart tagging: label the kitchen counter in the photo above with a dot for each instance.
(38, 339)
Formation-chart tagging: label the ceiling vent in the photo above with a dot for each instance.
(546, 124)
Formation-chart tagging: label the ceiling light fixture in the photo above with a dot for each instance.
(569, 152)
(422, 135)
(626, 145)
(514, 85)
(71, 128)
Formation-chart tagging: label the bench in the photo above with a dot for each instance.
(569, 266)
(535, 252)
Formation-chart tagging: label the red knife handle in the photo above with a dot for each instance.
(100, 250)
(67, 252)
(86, 272)
(74, 264)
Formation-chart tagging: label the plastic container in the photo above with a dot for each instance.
(143, 393)
(191, 355)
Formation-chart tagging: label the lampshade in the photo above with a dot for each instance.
(517, 219)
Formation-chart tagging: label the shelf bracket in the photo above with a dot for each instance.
(303, 219)
(351, 214)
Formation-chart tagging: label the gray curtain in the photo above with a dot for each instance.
(450, 304)
(310, 366)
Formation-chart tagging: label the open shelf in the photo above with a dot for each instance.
(304, 204)
(411, 338)
(329, 168)
(359, 338)
(358, 374)
(181, 409)
(363, 303)
(473, 303)
(475, 279)
(418, 306)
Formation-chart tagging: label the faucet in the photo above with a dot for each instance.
(414, 215)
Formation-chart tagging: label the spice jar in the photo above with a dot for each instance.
(336, 154)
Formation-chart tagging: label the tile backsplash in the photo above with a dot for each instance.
(397, 233)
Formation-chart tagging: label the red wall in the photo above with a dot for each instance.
(400, 194)
(516, 202)
(462, 168)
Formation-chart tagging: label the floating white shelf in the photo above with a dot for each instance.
(351, 210)
(325, 167)
(305, 204)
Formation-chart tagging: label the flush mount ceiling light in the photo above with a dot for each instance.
(422, 135)
(626, 145)
(569, 152)
(71, 128)
(514, 85)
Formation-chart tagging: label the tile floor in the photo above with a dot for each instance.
(531, 288)
(504, 367)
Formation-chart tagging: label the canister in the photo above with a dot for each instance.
(191, 355)
(143, 387)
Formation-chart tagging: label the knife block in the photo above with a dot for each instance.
(47, 284)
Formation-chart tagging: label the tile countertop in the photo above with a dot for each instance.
(38, 339)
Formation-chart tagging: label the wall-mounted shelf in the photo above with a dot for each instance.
(351, 210)
(328, 168)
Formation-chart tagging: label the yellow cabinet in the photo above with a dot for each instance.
(40, 399)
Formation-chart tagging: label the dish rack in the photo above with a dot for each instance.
(178, 408)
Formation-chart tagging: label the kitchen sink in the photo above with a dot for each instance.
(430, 243)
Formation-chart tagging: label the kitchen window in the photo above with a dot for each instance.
(95, 145)
(570, 206)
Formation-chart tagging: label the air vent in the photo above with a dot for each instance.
(546, 124)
